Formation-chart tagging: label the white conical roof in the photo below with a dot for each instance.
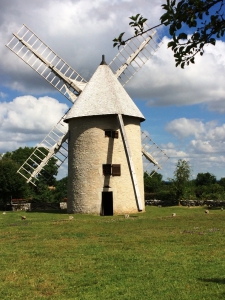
(103, 95)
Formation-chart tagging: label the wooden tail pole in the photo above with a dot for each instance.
(130, 163)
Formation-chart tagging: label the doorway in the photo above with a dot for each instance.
(107, 204)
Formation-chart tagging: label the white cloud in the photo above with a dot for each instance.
(3, 95)
(161, 84)
(201, 146)
(217, 105)
(183, 127)
(216, 134)
(27, 119)
(201, 143)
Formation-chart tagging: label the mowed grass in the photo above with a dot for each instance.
(148, 256)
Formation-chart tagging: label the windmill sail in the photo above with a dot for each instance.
(153, 156)
(150, 158)
(54, 145)
(34, 52)
(134, 55)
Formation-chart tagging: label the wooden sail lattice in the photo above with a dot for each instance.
(134, 55)
(55, 145)
(153, 156)
(41, 58)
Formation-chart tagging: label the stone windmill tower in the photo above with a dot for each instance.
(106, 173)
(103, 137)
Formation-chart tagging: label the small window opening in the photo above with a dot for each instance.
(108, 133)
(114, 170)
(106, 169)
(111, 133)
(115, 134)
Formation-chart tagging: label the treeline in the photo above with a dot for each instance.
(49, 189)
(183, 187)
(14, 186)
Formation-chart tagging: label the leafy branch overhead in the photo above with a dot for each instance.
(137, 23)
(192, 24)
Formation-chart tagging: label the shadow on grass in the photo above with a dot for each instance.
(214, 280)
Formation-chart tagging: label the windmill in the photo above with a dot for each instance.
(103, 136)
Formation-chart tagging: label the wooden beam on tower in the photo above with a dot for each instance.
(130, 163)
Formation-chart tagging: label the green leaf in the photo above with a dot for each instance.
(212, 41)
(171, 44)
(172, 29)
(177, 55)
(196, 36)
(188, 48)
(120, 36)
(134, 18)
(173, 2)
(182, 36)
(181, 49)
(178, 25)
(164, 18)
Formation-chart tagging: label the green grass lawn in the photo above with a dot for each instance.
(148, 256)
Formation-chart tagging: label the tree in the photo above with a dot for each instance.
(12, 185)
(19, 155)
(192, 25)
(205, 179)
(210, 192)
(152, 182)
(48, 173)
(46, 177)
(43, 193)
(181, 180)
(222, 182)
(208, 188)
(60, 191)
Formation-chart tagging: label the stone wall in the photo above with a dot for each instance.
(209, 203)
(21, 206)
(35, 206)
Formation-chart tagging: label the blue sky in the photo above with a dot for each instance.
(184, 109)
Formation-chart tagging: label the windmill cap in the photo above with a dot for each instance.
(104, 95)
(103, 60)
